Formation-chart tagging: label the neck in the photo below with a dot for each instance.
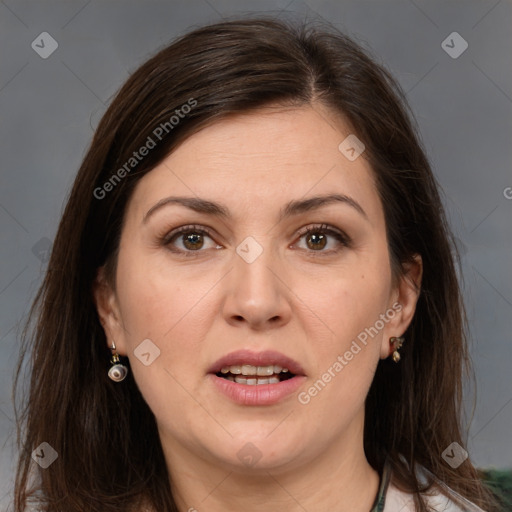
(338, 479)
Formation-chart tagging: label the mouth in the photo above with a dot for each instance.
(256, 366)
(255, 375)
(256, 378)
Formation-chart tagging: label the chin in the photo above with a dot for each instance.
(258, 453)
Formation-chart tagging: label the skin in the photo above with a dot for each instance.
(307, 303)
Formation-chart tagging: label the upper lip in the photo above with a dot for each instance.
(265, 358)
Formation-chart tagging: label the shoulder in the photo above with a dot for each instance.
(439, 498)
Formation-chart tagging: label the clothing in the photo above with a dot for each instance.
(391, 499)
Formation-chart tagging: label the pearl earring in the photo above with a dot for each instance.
(117, 371)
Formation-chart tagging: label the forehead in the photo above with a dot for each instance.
(269, 156)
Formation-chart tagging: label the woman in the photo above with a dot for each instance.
(251, 299)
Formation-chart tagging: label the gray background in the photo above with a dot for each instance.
(49, 108)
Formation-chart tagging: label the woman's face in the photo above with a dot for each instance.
(243, 287)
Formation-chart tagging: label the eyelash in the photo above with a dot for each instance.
(341, 237)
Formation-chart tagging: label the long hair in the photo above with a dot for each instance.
(413, 409)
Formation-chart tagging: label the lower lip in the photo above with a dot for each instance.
(260, 394)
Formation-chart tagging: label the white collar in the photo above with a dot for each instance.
(400, 501)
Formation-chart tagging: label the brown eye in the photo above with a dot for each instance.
(193, 241)
(316, 241)
(317, 238)
(188, 240)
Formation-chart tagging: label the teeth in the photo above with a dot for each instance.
(247, 369)
(265, 371)
(254, 381)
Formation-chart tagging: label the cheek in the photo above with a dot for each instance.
(344, 303)
(162, 302)
(346, 358)
(346, 331)
(174, 313)
(171, 309)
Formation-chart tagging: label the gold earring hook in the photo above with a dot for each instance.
(115, 355)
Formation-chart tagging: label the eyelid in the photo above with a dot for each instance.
(326, 228)
(185, 229)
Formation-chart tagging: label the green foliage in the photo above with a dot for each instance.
(500, 482)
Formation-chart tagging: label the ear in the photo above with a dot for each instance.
(403, 302)
(109, 312)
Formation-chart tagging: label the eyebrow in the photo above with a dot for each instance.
(292, 208)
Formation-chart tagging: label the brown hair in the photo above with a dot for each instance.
(412, 410)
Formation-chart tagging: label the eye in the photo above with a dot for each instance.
(317, 238)
(191, 239)
(187, 240)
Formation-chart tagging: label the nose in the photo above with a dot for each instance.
(257, 294)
